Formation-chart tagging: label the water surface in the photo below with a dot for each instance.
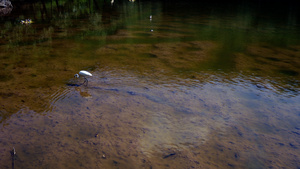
(211, 86)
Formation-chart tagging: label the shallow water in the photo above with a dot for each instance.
(203, 88)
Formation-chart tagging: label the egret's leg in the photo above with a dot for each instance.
(85, 80)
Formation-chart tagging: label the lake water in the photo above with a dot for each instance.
(175, 85)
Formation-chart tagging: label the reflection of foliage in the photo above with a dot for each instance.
(17, 33)
(96, 20)
(47, 34)
(63, 16)
(7, 26)
(63, 21)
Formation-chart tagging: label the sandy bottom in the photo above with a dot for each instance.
(126, 120)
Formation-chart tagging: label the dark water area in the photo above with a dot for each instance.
(176, 84)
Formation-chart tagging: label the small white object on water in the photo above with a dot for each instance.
(84, 74)
(26, 21)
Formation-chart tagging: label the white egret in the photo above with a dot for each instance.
(84, 74)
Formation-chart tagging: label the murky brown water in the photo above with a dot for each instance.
(210, 89)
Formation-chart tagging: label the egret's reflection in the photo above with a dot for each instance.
(83, 92)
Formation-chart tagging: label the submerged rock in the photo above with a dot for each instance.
(5, 7)
(169, 155)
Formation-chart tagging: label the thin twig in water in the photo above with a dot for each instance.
(13, 157)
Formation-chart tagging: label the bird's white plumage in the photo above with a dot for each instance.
(85, 73)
